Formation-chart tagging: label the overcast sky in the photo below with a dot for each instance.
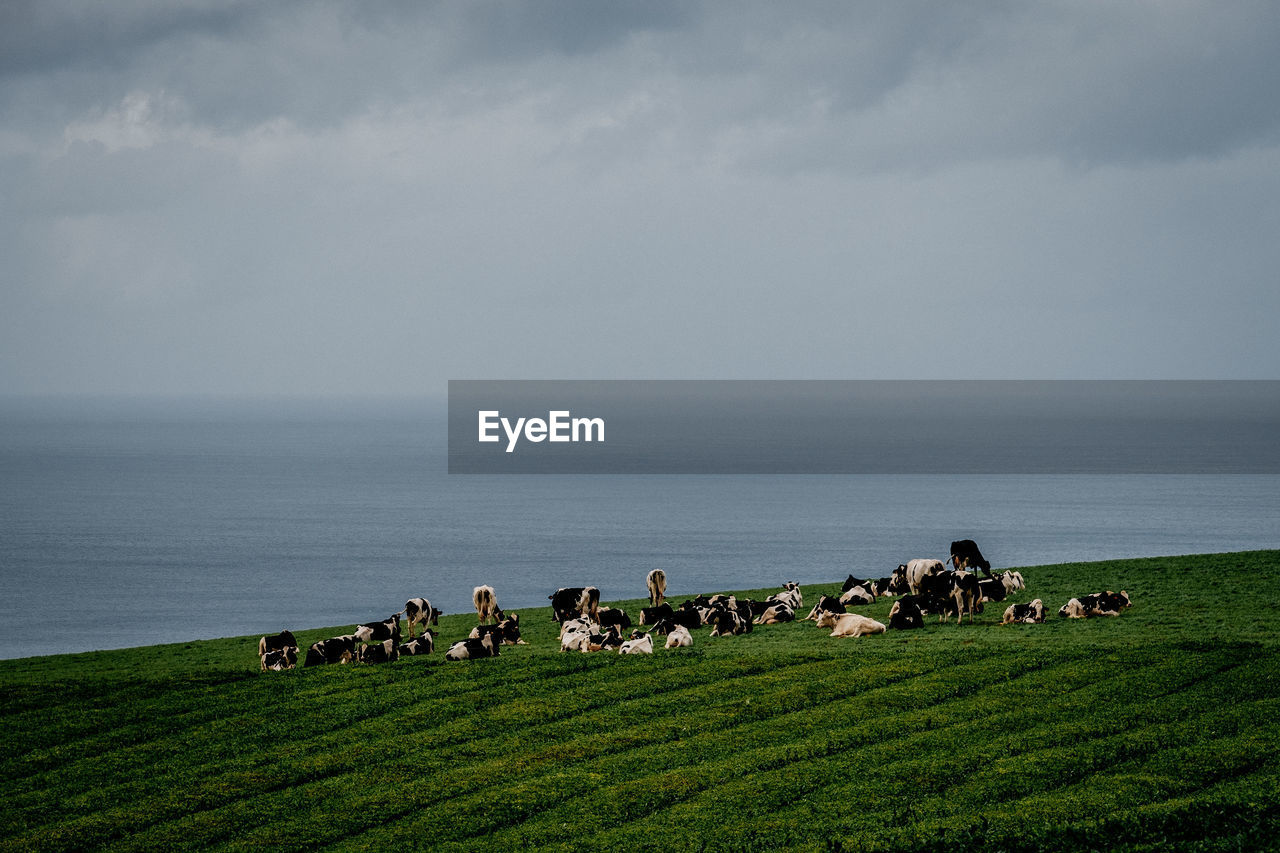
(253, 198)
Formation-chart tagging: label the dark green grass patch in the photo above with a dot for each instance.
(1156, 730)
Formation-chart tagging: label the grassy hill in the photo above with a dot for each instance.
(1156, 730)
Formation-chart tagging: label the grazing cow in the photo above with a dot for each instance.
(424, 645)
(278, 660)
(657, 583)
(383, 652)
(377, 632)
(906, 614)
(570, 601)
(826, 602)
(850, 624)
(613, 616)
(1028, 614)
(678, 637)
(469, 649)
(950, 592)
(965, 555)
(914, 571)
(776, 613)
(276, 642)
(486, 604)
(506, 632)
(652, 615)
(1098, 604)
(333, 650)
(858, 594)
(418, 611)
(641, 646)
(725, 621)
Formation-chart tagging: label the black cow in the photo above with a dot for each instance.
(906, 614)
(965, 555)
(613, 616)
(333, 650)
(652, 615)
(418, 611)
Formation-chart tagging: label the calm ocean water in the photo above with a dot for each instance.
(125, 525)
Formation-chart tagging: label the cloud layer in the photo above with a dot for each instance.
(335, 199)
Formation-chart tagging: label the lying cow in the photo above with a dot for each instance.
(469, 649)
(655, 614)
(610, 639)
(678, 637)
(333, 650)
(378, 632)
(790, 595)
(424, 645)
(993, 589)
(281, 643)
(1099, 604)
(383, 652)
(858, 594)
(641, 646)
(827, 603)
(725, 621)
(486, 604)
(506, 632)
(1028, 614)
(418, 611)
(656, 581)
(278, 660)
(776, 613)
(615, 616)
(906, 614)
(850, 624)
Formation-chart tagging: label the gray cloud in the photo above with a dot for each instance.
(316, 198)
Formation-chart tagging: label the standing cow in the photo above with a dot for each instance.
(657, 583)
(965, 555)
(486, 603)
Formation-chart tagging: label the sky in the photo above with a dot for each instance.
(332, 199)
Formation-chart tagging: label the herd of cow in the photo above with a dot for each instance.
(926, 587)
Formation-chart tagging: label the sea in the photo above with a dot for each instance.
(127, 523)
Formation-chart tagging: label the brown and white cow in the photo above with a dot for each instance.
(656, 581)
(486, 604)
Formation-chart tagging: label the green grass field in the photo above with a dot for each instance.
(1157, 730)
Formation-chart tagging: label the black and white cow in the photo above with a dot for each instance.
(725, 621)
(950, 592)
(333, 650)
(614, 616)
(378, 632)
(776, 612)
(469, 649)
(677, 637)
(486, 603)
(791, 595)
(506, 632)
(281, 643)
(418, 611)
(384, 652)
(1098, 604)
(859, 593)
(656, 581)
(652, 615)
(965, 555)
(423, 645)
(641, 646)
(1028, 614)
(993, 589)
(278, 660)
(827, 603)
(906, 614)
(610, 639)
